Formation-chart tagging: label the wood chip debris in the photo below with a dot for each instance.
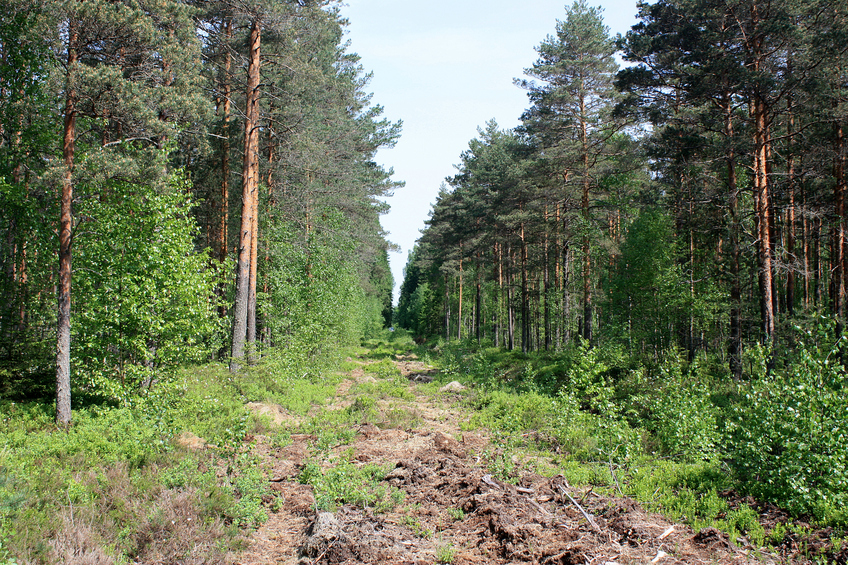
(667, 532)
(660, 555)
(488, 480)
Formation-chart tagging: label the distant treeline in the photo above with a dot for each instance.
(693, 199)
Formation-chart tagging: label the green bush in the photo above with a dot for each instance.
(346, 483)
(789, 437)
(142, 293)
(514, 413)
(588, 382)
(682, 417)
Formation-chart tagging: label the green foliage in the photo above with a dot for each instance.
(588, 382)
(112, 468)
(343, 482)
(332, 427)
(363, 409)
(144, 297)
(789, 436)
(682, 416)
(445, 554)
(512, 413)
(648, 292)
(122, 472)
(384, 369)
(457, 514)
(251, 487)
(690, 492)
(316, 302)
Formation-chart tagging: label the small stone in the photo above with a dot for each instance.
(454, 386)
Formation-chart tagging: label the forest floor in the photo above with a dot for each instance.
(452, 510)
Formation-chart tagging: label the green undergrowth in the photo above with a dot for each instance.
(160, 477)
(678, 435)
(335, 477)
(337, 481)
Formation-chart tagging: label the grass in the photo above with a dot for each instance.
(533, 411)
(445, 553)
(119, 486)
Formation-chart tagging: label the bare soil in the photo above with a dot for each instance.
(455, 511)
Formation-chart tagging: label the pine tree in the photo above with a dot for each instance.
(132, 70)
(571, 115)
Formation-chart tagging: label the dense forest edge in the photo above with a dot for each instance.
(644, 282)
(665, 241)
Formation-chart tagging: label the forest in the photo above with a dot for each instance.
(151, 149)
(643, 284)
(663, 237)
(693, 198)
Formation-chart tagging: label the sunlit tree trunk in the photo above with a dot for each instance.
(587, 259)
(249, 193)
(500, 309)
(510, 306)
(225, 150)
(838, 262)
(763, 213)
(790, 212)
(546, 282)
(525, 297)
(735, 345)
(478, 299)
(447, 308)
(459, 306)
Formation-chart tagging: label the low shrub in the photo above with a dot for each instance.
(789, 437)
(343, 482)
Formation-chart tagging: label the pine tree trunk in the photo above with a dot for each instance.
(63, 342)
(249, 193)
(254, 271)
(566, 299)
(222, 243)
(510, 307)
(459, 306)
(790, 212)
(546, 282)
(806, 235)
(500, 308)
(447, 309)
(225, 152)
(525, 297)
(587, 261)
(478, 301)
(763, 205)
(735, 345)
(838, 266)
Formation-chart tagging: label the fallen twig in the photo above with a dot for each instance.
(580, 508)
(488, 480)
(667, 532)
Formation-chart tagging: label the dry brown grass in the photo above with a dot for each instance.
(150, 525)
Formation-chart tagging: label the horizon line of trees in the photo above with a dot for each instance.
(149, 149)
(693, 199)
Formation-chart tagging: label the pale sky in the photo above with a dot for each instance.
(445, 67)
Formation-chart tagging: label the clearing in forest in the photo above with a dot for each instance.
(385, 473)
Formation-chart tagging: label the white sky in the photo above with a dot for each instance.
(445, 67)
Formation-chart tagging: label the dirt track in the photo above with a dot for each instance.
(455, 511)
